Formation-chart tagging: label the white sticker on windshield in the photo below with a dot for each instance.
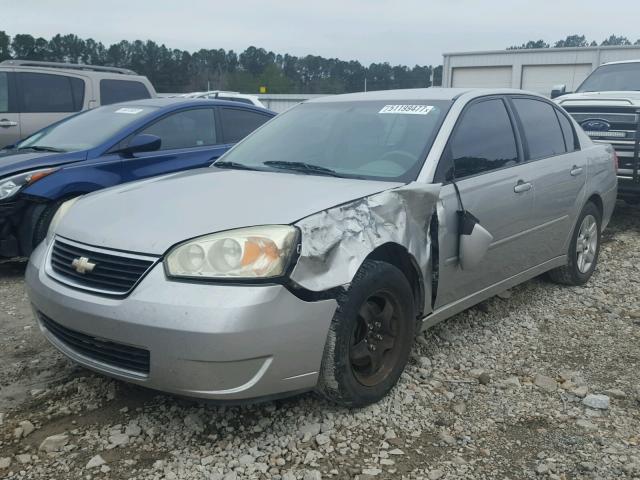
(407, 109)
(130, 111)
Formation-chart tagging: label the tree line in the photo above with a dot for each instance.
(576, 41)
(175, 70)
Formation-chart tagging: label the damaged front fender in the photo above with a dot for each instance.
(335, 242)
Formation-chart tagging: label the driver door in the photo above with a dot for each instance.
(485, 153)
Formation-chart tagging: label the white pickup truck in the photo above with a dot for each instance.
(607, 106)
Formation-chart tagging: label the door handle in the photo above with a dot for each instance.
(522, 187)
(7, 123)
(575, 171)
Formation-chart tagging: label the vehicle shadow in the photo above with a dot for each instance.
(13, 268)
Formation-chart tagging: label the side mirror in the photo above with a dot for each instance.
(141, 143)
(474, 240)
(558, 90)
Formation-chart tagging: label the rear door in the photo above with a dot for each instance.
(558, 174)
(9, 116)
(190, 139)
(45, 98)
(486, 158)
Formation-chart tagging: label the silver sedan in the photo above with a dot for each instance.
(309, 255)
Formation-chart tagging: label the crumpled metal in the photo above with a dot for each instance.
(336, 241)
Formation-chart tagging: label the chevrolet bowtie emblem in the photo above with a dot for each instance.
(83, 265)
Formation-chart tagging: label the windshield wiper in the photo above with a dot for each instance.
(302, 167)
(39, 148)
(234, 165)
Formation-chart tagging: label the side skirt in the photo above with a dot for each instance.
(460, 305)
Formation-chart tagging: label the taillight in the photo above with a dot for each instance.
(616, 162)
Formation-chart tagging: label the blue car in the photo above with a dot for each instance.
(108, 146)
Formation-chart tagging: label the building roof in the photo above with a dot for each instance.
(415, 94)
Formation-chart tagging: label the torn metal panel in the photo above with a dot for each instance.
(335, 242)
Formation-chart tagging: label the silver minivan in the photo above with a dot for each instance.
(35, 94)
(308, 256)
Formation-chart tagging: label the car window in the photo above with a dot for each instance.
(185, 129)
(87, 129)
(115, 91)
(365, 139)
(541, 128)
(238, 123)
(567, 131)
(46, 93)
(483, 139)
(4, 92)
(236, 99)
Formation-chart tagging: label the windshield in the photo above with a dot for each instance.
(85, 130)
(613, 78)
(364, 139)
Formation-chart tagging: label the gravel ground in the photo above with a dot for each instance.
(540, 382)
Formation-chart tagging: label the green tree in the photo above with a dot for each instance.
(572, 41)
(530, 44)
(5, 46)
(615, 40)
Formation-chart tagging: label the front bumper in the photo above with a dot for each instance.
(219, 342)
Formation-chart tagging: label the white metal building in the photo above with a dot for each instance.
(279, 102)
(536, 70)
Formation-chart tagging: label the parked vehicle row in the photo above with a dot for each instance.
(607, 106)
(107, 146)
(225, 95)
(307, 257)
(36, 94)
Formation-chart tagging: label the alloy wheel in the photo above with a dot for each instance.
(587, 243)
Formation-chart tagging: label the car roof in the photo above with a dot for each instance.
(622, 61)
(418, 94)
(176, 102)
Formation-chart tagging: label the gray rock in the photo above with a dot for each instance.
(194, 422)
(246, 459)
(95, 462)
(446, 438)
(133, 430)
(616, 393)
(312, 475)
(322, 439)
(5, 462)
(599, 402)
(586, 424)
(119, 439)
(23, 458)
(484, 378)
(435, 474)
(27, 428)
(54, 443)
(545, 383)
(370, 471)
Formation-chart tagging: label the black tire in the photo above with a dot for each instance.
(571, 273)
(348, 374)
(35, 225)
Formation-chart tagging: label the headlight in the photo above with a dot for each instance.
(11, 185)
(245, 253)
(55, 221)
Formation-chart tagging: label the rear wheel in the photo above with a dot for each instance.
(584, 249)
(370, 337)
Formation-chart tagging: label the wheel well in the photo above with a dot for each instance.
(399, 257)
(597, 201)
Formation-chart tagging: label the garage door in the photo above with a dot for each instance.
(540, 78)
(483, 77)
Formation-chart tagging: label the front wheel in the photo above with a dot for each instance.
(584, 249)
(370, 337)
(35, 225)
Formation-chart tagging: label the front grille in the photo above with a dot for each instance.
(623, 134)
(98, 270)
(98, 349)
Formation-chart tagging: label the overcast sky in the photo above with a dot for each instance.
(398, 31)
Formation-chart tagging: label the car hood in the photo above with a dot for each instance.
(153, 215)
(12, 162)
(622, 99)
